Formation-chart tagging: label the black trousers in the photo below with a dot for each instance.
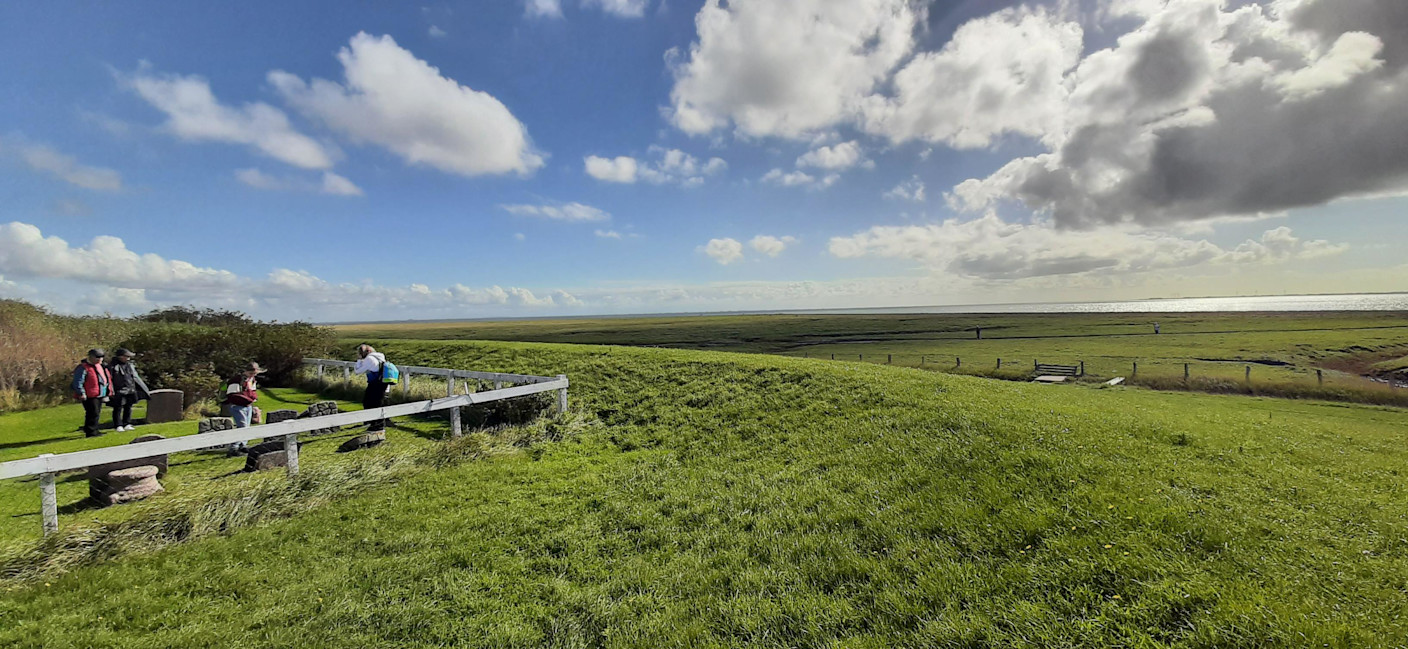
(373, 398)
(92, 409)
(122, 409)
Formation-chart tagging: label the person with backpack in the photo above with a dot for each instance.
(92, 384)
(241, 394)
(127, 389)
(380, 376)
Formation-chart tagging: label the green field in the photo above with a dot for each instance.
(1283, 351)
(718, 500)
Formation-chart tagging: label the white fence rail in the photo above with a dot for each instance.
(46, 466)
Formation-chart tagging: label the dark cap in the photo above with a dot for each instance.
(123, 351)
(97, 352)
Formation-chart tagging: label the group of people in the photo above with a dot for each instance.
(98, 381)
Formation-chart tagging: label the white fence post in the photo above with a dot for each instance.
(320, 375)
(562, 397)
(454, 412)
(49, 501)
(405, 384)
(291, 452)
(346, 375)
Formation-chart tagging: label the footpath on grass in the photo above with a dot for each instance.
(719, 500)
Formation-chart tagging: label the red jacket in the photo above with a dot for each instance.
(91, 381)
(242, 392)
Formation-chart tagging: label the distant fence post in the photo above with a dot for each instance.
(1082, 368)
(291, 452)
(1035, 364)
(833, 357)
(1320, 377)
(1249, 374)
(405, 384)
(1135, 372)
(889, 358)
(921, 359)
(999, 363)
(861, 356)
(48, 501)
(1185, 371)
(562, 396)
(958, 361)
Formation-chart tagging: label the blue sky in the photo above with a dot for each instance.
(480, 159)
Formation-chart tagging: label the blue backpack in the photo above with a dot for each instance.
(389, 373)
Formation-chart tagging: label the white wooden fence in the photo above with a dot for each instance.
(48, 465)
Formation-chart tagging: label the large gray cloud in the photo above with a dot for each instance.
(1205, 112)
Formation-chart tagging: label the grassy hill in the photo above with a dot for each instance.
(726, 500)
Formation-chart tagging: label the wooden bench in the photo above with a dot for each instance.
(1050, 369)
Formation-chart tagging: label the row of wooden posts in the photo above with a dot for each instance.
(1134, 369)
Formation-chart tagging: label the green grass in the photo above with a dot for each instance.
(1282, 350)
(54, 430)
(730, 500)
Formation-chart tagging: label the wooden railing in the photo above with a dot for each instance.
(48, 465)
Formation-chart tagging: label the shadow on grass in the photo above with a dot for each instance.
(10, 445)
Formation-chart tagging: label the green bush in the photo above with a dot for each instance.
(172, 350)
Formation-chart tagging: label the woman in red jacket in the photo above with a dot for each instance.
(92, 384)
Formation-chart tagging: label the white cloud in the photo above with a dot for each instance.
(620, 8)
(436, 32)
(394, 100)
(518, 236)
(770, 245)
(543, 8)
(69, 169)
(798, 179)
(621, 169)
(909, 190)
(838, 157)
(194, 114)
(123, 280)
(572, 212)
(339, 186)
(989, 248)
(26, 252)
(669, 166)
(1002, 73)
(330, 183)
(724, 251)
(608, 234)
(787, 69)
(1352, 55)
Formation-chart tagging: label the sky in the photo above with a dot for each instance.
(384, 161)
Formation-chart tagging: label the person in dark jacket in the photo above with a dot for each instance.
(92, 385)
(127, 389)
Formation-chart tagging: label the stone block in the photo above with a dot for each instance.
(367, 440)
(165, 405)
(267, 455)
(213, 424)
(98, 475)
(320, 409)
(276, 416)
(126, 485)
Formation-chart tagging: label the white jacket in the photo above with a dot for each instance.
(371, 363)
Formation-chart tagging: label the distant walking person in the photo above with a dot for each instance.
(241, 395)
(1156, 328)
(380, 376)
(92, 385)
(127, 389)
